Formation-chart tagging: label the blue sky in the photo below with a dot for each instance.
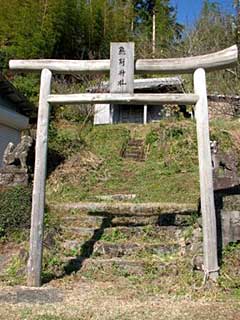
(188, 10)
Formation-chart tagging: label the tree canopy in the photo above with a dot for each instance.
(82, 28)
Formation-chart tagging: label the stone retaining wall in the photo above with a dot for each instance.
(221, 106)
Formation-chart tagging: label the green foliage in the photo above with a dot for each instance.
(64, 142)
(28, 85)
(229, 277)
(214, 30)
(70, 113)
(175, 148)
(104, 21)
(31, 29)
(15, 208)
(168, 31)
(81, 29)
(169, 173)
(151, 137)
(14, 273)
(114, 236)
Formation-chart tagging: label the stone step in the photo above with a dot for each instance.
(84, 220)
(125, 267)
(111, 250)
(116, 197)
(96, 222)
(148, 234)
(87, 221)
(127, 209)
(142, 235)
(70, 246)
(135, 142)
(134, 221)
(77, 233)
(134, 149)
(123, 240)
(133, 154)
(161, 220)
(231, 202)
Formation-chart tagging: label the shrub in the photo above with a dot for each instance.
(15, 208)
(152, 137)
(65, 142)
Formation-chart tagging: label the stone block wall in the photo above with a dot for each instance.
(221, 106)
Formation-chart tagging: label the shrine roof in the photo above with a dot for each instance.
(158, 85)
(10, 93)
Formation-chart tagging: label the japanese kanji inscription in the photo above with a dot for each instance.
(122, 67)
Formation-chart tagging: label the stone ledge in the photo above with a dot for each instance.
(12, 176)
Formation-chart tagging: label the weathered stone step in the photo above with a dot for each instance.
(133, 154)
(163, 238)
(162, 220)
(87, 221)
(112, 250)
(231, 202)
(128, 209)
(84, 220)
(123, 267)
(134, 148)
(134, 221)
(148, 234)
(72, 246)
(116, 197)
(80, 233)
(136, 142)
(131, 151)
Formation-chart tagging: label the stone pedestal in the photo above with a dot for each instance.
(230, 226)
(11, 176)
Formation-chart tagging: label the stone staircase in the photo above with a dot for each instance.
(126, 239)
(135, 150)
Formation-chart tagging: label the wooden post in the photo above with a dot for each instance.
(38, 199)
(154, 34)
(206, 181)
(145, 114)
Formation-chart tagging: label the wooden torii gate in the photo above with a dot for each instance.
(124, 95)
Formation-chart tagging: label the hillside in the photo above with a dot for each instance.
(95, 166)
(139, 256)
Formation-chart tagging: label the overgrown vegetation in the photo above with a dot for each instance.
(169, 173)
(15, 209)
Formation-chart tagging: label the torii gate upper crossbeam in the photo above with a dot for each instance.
(209, 62)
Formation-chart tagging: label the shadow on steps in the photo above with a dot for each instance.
(75, 265)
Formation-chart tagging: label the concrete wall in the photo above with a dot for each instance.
(11, 124)
(225, 107)
(102, 114)
(7, 135)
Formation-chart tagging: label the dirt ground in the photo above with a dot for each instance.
(103, 300)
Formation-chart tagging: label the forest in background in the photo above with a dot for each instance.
(83, 29)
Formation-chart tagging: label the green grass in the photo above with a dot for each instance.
(169, 174)
(114, 236)
(230, 275)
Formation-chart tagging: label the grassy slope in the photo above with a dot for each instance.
(170, 172)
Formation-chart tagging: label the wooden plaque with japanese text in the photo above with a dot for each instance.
(122, 67)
